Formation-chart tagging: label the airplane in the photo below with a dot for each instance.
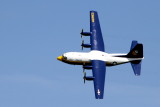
(97, 59)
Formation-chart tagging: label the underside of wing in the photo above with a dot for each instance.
(99, 70)
(96, 38)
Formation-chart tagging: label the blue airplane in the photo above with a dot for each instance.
(97, 59)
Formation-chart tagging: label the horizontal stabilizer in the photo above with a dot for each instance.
(136, 67)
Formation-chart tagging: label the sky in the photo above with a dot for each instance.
(33, 33)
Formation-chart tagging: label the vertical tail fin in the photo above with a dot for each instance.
(136, 51)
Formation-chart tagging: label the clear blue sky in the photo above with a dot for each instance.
(34, 32)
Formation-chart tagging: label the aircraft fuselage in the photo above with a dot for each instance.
(85, 58)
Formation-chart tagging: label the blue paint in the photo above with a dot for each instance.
(137, 68)
(136, 65)
(98, 67)
(134, 43)
(96, 39)
(98, 70)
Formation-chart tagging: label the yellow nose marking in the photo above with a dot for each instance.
(60, 58)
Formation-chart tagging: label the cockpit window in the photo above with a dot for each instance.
(65, 57)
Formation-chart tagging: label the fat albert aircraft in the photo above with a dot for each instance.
(97, 59)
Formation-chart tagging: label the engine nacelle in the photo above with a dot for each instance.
(89, 78)
(86, 45)
(87, 67)
(85, 33)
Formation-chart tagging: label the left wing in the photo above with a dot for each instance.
(96, 38)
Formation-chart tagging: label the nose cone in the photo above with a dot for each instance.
(60, 58)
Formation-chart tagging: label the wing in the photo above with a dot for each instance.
(99, 70)
(96, 39)
(98, 67)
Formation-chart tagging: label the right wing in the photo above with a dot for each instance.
(99, 71)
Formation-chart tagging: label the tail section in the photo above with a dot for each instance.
(136, 52)
(136, 67)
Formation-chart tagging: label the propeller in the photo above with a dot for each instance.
(81, 33)
(82, 44)
(84, 78)
(83, 69)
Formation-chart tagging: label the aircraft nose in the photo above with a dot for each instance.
(60, 58)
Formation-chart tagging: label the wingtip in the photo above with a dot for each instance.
(93, 11)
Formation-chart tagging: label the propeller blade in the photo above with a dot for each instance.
(82, 44)
(84, 78)
(81, 33)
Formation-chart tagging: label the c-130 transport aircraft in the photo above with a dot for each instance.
(97, 59)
